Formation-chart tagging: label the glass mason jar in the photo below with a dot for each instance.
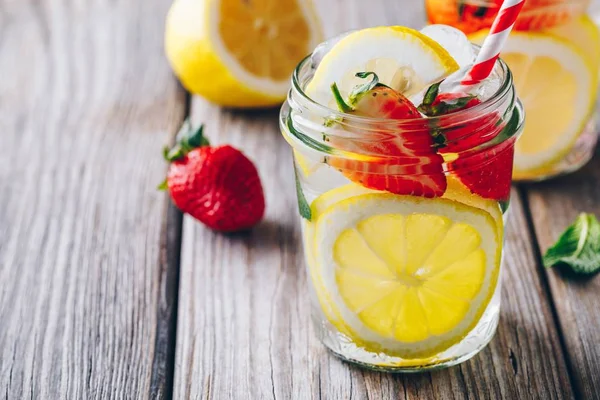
(407, 278)
(554, 54)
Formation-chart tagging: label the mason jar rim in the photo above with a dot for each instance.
(461, 116)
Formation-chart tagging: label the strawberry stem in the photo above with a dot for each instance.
(188, 138)
(342, 105)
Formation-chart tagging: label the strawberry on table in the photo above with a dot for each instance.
(402, 162)
(219, 186)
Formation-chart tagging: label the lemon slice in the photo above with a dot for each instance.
(318, 206)
(238, 53)
(455, 191)
(401, 274)
(403, 58)
(557, 84)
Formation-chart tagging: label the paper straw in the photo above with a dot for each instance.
(494, 42)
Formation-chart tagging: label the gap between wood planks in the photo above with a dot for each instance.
(537, 253)
(163, 364)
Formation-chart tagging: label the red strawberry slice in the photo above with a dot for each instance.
(470, 17)
(543, 14)
(486, 172)
(452, 137)
(401, 162)
(489, 172)
(465, 15)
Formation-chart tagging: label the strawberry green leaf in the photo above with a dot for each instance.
(578, 248)
(188, 138)
(364, 88)
(439, 139)
(341, 103)
(163, 186)
(480, 12)
(445, 107)
(431, 94)
(196, 138)
(303, 206)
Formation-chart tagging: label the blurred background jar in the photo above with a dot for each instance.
(554, 54)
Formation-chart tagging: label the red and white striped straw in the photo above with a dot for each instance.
(490, 50)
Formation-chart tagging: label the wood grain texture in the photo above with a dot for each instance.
(86, 103)
(554, 206)
(244, 329)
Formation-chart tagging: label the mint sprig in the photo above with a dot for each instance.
(578, 248)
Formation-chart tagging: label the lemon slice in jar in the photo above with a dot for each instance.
(557, 84)
(403, 58)
(239, 53)
(404, 275)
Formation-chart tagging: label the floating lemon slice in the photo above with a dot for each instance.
(238, 53)
(325, 293)
(403, 59)
(557, 84)
(406, 275)
(457, 191)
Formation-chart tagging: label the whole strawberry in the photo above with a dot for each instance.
(219, 186)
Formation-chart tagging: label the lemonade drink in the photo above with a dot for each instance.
(554, 54)
(401, 207)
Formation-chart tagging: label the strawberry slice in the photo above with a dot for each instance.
(454, 138)
(543, 14)
(403, 162)
(470, 17)
(462, 14)
(486, 172)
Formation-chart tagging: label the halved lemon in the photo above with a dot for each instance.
(239, 53)
(585, 34)
(403, 58)
(557, 84)
(382, 264)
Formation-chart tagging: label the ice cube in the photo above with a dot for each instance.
(454, 41)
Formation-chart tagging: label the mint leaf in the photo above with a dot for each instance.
(578, 247)
(303, 206)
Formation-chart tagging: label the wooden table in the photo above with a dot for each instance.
(106, 291)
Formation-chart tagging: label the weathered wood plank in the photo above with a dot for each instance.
(554, 206)
(244, 329)
(86, 102)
